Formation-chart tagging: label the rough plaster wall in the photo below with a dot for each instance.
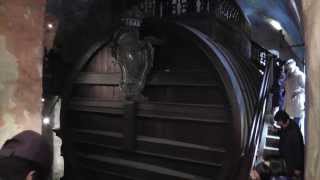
(21, 32)
(311, 12)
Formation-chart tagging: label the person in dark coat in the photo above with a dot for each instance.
(26, 156)
(278, 88)
(291, 146)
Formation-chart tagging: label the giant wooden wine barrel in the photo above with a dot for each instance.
(191, 123)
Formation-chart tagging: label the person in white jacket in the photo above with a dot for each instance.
(294, 91)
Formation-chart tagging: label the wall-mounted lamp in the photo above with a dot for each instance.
(46, 120)
(50, 26)
(275, 24)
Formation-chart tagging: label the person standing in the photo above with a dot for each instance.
(278, 88)
(291, 145)
(294, 91)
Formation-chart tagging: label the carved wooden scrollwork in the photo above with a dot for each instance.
(226, 10)
(134, 56)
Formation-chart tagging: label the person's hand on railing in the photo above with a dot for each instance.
(254, 175)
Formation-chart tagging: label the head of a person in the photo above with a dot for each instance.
(26, 156)
(261, 172)
(282, 118)
(290, 66)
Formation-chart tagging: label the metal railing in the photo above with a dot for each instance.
(259, 56)
(260, 111)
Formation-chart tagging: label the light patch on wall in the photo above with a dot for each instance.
(8, 76)
(2, 8)
(8, 64)
(9, 129)
(27, 14)
(8, 71)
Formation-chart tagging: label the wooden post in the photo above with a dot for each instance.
(129, 126)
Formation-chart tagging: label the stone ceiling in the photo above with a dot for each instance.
(287, 13)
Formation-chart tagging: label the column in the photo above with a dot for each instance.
(311, 15)
(21, 36)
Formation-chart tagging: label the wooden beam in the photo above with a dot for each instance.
(148, 170)
(88, 105)
(187, 112)
(175, 111)
(175, 163)
(129, 125)
(157, 147)
(184, 79)
(206, 79)
(109, 79)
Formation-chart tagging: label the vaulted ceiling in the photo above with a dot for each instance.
(261, 13)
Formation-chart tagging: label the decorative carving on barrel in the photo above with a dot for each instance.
(134, 56)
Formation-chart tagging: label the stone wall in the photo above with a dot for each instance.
(21, 34)
(312, 40)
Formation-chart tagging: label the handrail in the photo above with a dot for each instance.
(259, 113)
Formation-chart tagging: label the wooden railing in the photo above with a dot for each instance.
(224, 10)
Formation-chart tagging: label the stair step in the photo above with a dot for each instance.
(271, 148)
(272, 132)
(272, 137)
(270, 142)
(269, 118)
(270, 151)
